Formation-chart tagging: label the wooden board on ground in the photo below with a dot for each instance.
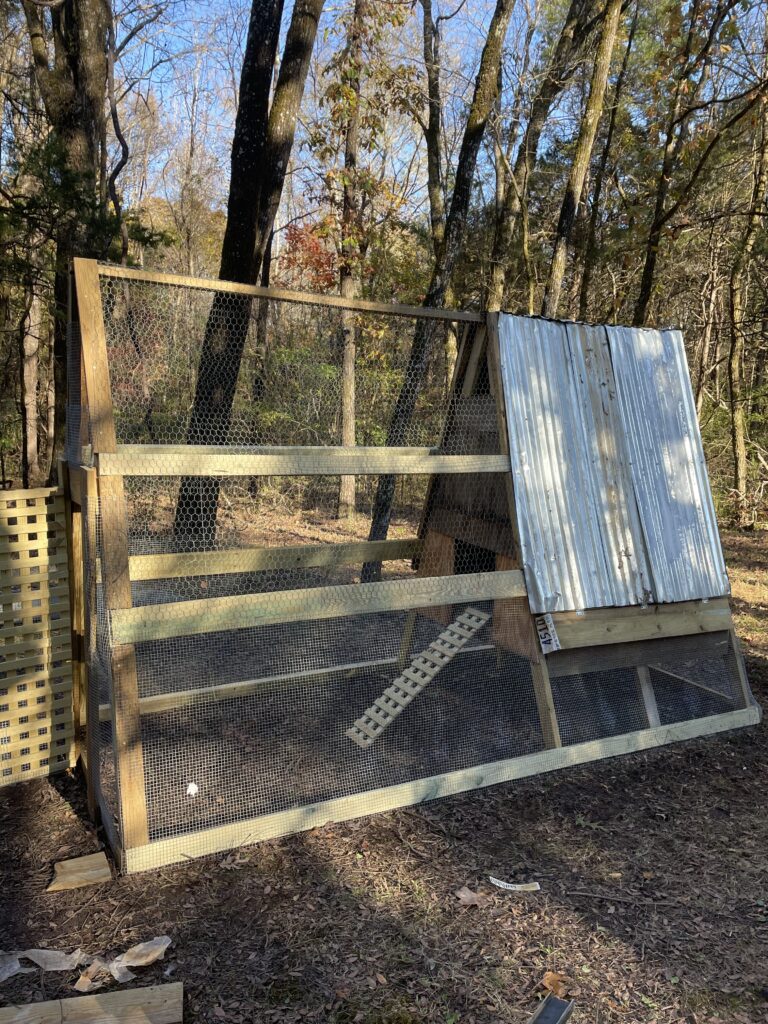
(92, 869)
(157, 1004)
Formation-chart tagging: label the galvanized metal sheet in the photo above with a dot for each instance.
(582, 452)
(667, 463)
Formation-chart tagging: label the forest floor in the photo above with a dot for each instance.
(653, 906)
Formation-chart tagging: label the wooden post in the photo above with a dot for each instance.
(75, 527)
(541, 683)
(126, 721)
(734, 660)
(89, 503)
(648, 696)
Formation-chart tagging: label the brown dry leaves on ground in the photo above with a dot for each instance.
(653, 906)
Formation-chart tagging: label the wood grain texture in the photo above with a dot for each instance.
(213, 563)
(305, 298)
(92, 869)
(157, 1004)
(190, 618)
(199, 460)
(621, 625)
(37, 723)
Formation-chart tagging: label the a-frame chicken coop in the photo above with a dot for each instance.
(552, 589)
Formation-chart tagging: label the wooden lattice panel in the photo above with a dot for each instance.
(422, 670)
(36, 721)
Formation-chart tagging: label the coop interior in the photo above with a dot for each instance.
(252, 655)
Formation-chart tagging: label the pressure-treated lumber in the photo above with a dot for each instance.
(117, 585)
(157, 1004)
(648, 697)
(283, 295)
(542, 686)
(301, 556)
(300, 819)
(92, 869)
(622, 625)
(37, 728)
(413, 680)
(735, 662)
(200, 460)
(641, 652)
(159, 702)
(208, 615)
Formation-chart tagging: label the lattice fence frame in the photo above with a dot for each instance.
(37, 718)
(592, 640)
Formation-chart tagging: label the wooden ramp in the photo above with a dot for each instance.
(422, 670)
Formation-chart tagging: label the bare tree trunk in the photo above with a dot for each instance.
(590, 247)
(29, 365)
(433, 137)
(573, 33)
(581, 158)
(50, 409)
(676, 130)
(483, 99)
(69, 54)
(350, 250)
(738, 309)
(261, 149)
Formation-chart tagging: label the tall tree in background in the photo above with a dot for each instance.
(69, 51)
(590, 244)
(552, 79)
(738, 315)
(261, 149)
(483, 100)
(581, 157)
(691, 75)
(349, 272)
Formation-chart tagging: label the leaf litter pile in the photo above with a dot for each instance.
(652, 906)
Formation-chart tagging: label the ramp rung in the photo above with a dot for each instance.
(422, 670)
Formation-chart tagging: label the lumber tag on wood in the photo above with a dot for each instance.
(80, 871)
(422, 670)
(157, 1004)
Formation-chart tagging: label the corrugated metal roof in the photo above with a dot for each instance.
(667, 463)
(592, 461)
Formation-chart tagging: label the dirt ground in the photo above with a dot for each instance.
(653, 906)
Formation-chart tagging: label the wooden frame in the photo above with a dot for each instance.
(155, 1004)
(117, 586)
(597, 636)
(283, 295)
(199, 460)
(244, 560)
(38, 698)
(132, 625)
(302, 819)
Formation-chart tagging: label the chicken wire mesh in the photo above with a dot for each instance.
(250, 680)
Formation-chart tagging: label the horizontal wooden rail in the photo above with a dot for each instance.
(159, 702)
(624, 625)
(405, 794)
(284, 295)
(210, 615)
(300, 556)
(200, 460)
